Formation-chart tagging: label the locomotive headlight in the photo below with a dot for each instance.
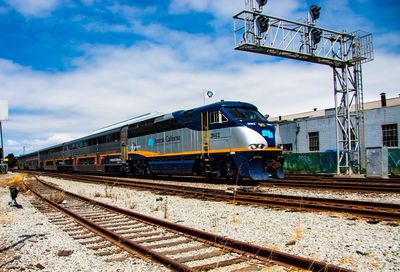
(253, 146)
(257, 146)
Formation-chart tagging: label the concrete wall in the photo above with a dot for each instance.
(296, 132)
(375, 118)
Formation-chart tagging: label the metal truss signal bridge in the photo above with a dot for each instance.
(257, 32)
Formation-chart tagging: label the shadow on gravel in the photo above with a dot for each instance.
(24, 238)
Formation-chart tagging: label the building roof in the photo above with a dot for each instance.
(390, 102)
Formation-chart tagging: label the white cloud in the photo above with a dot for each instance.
(382, 75)
(228, 8)
(18, 147)
(117, 83)
(167, 73)
(225, 8)
(35, 8)
(131, 12)
(387, 40)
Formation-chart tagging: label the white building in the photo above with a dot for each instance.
(315, 131)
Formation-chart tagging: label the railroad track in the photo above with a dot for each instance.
(372, 186)
(374, 210)
(320, 182)
(329, 182)
(179, 248)
(395, 179)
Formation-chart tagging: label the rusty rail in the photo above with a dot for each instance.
(244, 248)
(379, 210)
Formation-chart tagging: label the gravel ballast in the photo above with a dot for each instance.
(29, 242)
(349, 242)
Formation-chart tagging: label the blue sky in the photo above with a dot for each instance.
(68, 67)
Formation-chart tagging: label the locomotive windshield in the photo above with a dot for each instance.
(245, 114)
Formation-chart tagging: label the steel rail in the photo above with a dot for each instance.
(256, 251)
(332, 177)
(390, 188)
(386, 211)
(120, 241)
(328, 182)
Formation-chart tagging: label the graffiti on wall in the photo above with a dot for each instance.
(326, 162)
(394, 161)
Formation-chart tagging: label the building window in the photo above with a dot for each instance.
(313, 141)
(288, 148)
(389, 135)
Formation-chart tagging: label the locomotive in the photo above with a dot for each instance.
(222, 140)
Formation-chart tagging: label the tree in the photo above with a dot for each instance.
(10, 160)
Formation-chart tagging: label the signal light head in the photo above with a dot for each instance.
(262, 3)
(262, 24)
(316, 36)
(314, 12)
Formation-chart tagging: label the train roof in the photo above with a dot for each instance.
(214, 106)
(226, 104)
(158, 117)
(40, 150)
(130, 121)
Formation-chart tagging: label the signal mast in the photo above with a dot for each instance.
(257, 32)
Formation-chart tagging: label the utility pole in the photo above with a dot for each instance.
(2, 146)
(3, 117)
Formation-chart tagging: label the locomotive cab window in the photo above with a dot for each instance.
(217, 117)
(244, 114)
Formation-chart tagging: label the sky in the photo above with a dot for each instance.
(69, 67)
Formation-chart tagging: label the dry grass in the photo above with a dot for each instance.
(108, 191)
(132, 205)
(17, 181)
(347, 260)
(214, 223)
(375, 266)
(154, 208)
(97, 194)
(8, 256)
(166, 208)
(58, 197)
(298, 234)
(13, 181)
(235, 219)
(5, 219)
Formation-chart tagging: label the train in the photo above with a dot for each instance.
(227, 139)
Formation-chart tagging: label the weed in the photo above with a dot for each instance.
(298, 233)
(97, 194)
(214, 223)
(375, 265)
(235, 219)
(132, 205)
(107, 191)
(346, 260)
(166, 208)
(154, 208)
(13, 181)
